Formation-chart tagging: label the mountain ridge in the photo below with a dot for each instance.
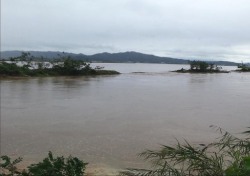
(120, 57)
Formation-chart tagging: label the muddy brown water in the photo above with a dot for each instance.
(108, 120)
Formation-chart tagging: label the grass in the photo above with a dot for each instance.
(228, 156)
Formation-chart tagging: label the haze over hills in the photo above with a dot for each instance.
(124, 57)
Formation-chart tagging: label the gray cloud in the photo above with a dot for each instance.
(208, 29)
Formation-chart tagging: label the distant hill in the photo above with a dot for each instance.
(125, 57)
(135, 57)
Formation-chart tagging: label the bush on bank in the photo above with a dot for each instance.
(50, 166)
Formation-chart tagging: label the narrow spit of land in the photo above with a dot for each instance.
(24, 66)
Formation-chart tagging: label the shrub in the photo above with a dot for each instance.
(50, 166)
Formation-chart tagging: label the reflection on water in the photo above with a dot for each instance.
(109, 119)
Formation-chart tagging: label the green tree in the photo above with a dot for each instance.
(244, 67)
(70, 66)
(202, 66)
(199, 66)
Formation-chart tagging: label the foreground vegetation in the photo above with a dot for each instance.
(50, 166)
(202, 67)
(65, 66)
(229, 156)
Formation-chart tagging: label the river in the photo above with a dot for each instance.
(110, 119)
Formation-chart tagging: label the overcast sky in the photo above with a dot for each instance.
(192, 29)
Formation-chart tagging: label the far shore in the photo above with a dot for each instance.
(201, 72)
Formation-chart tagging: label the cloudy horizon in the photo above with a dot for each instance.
(187, 29)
